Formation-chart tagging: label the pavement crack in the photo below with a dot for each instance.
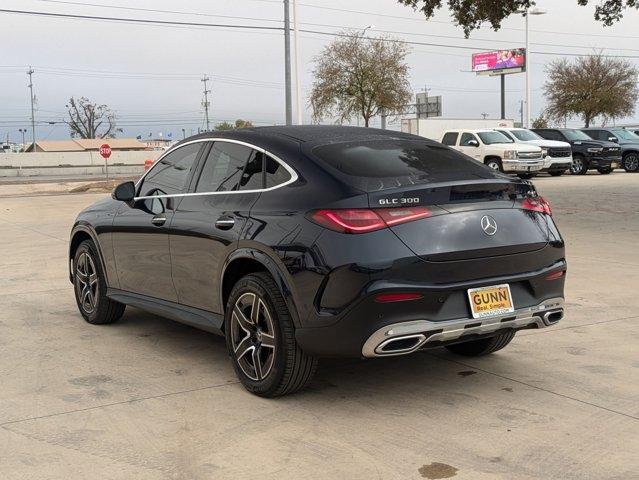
(123, 402)
(542, 389)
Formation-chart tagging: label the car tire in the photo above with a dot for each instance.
(485, 346)
(631, 163)
(260, 338)
(526, 176)
(579, 165)
(557, 173)
(604, 171)
(494, 164)
(90, 287)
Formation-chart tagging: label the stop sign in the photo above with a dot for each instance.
(105, 151)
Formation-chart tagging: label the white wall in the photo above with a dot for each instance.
(73, 163)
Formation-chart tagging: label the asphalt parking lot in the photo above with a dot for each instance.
(147, 398)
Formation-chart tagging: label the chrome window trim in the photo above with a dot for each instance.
(289, 169)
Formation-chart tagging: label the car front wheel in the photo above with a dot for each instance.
(495, 164)
(579, 165)
(631, 163)
(260, 338)
(90, 287)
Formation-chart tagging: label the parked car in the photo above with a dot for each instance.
(587, 154)
(628, 141)
(309, 241)
(496, 150)
(557, 155)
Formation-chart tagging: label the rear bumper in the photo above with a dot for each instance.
(406, 337)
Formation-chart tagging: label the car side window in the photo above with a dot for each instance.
(171, 174)
(450, 139)
(465, 138)
(253, 177)
(224, 168)
(276, 174)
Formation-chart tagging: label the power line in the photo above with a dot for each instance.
(272, 28)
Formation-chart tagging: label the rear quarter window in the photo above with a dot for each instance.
(379, 164)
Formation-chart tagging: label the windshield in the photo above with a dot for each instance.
(525, 135)
(625, 134)
(493, 137)
(576, 135)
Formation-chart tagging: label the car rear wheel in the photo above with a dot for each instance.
(260, 338)
(526, 176)
(495, 164)
(477, 348)
(90, 287)
(579, 165)
(631, 162)
(604, 171)
(557, 173)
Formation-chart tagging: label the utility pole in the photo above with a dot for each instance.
(298, 81)
(33, 132)
(206, 103)
(287, 62)
(521, 112)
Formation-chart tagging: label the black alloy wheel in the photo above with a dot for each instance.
(578, 166)
(260, 339)
(90, 287)
(631, 163)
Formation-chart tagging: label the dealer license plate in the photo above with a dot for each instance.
(490, 301)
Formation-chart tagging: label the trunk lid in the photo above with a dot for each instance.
(470, 219)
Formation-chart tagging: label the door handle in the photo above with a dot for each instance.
(158, 220)
(225, 222)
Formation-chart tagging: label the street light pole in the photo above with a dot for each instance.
(527, 13)
(33, 132)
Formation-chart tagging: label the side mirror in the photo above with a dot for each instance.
(613, 139)
(473, 143)
(125, 192)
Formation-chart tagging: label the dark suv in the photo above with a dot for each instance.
(301, 242)
(628, 141)
(587, 154)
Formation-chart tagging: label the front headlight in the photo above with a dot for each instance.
(544, 152)
(595, 150)
(510, 154)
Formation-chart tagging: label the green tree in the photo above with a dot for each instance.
(89, 120)
(360, 77)
(591, 87)
(540, 122)
(470, 14)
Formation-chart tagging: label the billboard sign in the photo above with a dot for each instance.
(500, 61)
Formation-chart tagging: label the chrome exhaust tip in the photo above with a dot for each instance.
(398, 345)
(553, 316)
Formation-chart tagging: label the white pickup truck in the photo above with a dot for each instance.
(557, 155)
(496, 150)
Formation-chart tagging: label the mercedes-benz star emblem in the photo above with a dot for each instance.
(488, 225)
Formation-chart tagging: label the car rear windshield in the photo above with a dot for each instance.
(379, 164)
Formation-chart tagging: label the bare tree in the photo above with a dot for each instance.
(89, 120)
(590, 87)
(230, 126)
(470, 14)
(359, 76)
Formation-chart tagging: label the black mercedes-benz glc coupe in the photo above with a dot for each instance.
(302, 242)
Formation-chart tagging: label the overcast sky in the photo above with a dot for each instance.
(150, 75)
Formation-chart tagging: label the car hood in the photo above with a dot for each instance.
(520, 147)
(633, 143)
(595, 143)
(546, 143)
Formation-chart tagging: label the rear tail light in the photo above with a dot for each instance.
(397, 297)
(537, 204)
(555, 275)
(367, 220)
